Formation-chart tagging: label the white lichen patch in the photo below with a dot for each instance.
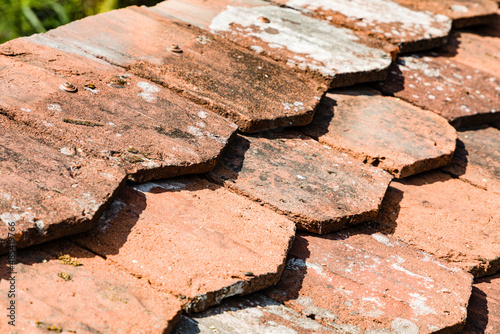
(314, 44)
(200, 133)
(404, 326)
(54, 107)
(148, 91)
(372, 13)
(459, 9)
(419, 306)
(167, 185)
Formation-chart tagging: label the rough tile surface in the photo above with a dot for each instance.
(48, 191)
(474, 50)
(85, 295)
(355, 281)
(477, 158)
(256, 93)
(463, 95)
(383, 132)
(321, 189)
(338, 54)
(363, 280)
(384, 19)
(463, 12)
(148, 130)
(193, 239)
(449, 218)
(484, 306)
(255, 313)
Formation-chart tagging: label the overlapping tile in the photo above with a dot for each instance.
(193, 239)
(382, 131)
(148, 130)
(484, 306)
(256, 93)
(256, 313)
(446, 217)
(319, 188)
(465, 96)
(477, 158)
(471, 49)
(85, 295)
(342, 56)
(364, 280)
(47, 189)
(355, 281)
(385, 19)
(463, 12)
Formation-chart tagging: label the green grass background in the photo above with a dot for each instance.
(26, 17)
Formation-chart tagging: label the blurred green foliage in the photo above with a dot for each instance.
(26, 17)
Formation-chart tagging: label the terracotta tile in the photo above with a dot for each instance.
(463, 12)
(471, 49)
(93, 297)
(193, 239)
(411, 30)
(321, 189)
(363, 280)
(477, 159)
(463, 95)
(340, 55)
(484, 306)
(383, 132)
(449, 218)
(148, 130)
(47, 190)
(254, 92)
(355, 281)
(255, 313)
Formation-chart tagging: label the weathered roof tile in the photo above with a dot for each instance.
(477, 158)
(471, 49)
(483, 314)
(321, 189)
(341, 55)
(463, 95)
(446, 217)
(383, 131)
(85, 295)
(48, 190)
(385, 19)
(193, 239)
(254, 92)
(148, 130)
(354, 281)
(463, 12)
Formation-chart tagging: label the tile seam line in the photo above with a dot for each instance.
(440, 169)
